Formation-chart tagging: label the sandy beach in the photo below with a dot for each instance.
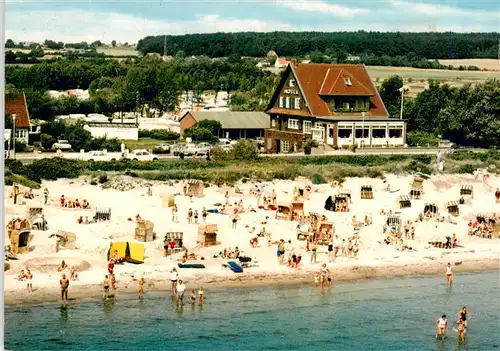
(375, 259)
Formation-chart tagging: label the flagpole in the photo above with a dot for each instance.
(402, 97)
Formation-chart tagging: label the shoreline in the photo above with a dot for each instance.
(249, 279)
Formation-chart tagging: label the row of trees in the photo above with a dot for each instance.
(126, 86)
(469, 115)
(51, 44)
(392, 44)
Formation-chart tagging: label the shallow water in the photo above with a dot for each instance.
(383, 314)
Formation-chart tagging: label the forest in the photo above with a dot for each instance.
(431, 45)
(469, 115)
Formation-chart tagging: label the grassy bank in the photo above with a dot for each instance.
(318, 169)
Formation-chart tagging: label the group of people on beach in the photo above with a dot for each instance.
(178, 289)
(64, 202)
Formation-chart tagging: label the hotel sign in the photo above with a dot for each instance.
(291, 92)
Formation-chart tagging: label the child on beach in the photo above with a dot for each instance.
(140, 291)
(192, 297)
(316, 280)
(74, 273)
(461, 331)
(105, 284)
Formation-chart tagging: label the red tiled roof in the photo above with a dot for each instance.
(328, 79)
(15, 104)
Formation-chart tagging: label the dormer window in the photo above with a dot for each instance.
(292, 83)
(345, 106)
(347, 81)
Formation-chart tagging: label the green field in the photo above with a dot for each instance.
(118, 51)
(384, 72)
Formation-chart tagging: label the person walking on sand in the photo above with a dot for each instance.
(442, 325)
(140, 291)
(173, 278)
(336, 245)
(449, 275)
(45, 196)
(234, 219)
(330, 250)
(195, 216)
(314, 252)
(64, 283)
(105, 285)
(190, 216)
(204, 215)
(175, 212)
(181, 288)
(29, 281)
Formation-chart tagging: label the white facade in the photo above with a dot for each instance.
(370, 134)
(128, 133)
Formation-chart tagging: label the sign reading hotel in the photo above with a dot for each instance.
(291, 92)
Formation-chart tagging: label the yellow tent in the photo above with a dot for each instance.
(131, 252)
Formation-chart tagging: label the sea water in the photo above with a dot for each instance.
(382, 314)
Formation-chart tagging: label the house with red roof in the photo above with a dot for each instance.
(335, 104)
(281, 62)
(15, 105)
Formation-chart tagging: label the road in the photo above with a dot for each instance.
(27, 158)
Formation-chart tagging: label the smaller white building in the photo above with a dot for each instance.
(121, 131)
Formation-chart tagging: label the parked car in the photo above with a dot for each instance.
(224, 141)
(203, 149)
(99, 156)
(177, 148)
(164, 147)
(61, 145)
(141, 155)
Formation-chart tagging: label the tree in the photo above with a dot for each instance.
(8, 122)
(113, 43)
(214, 126)
(37, 51)
(391, 96)
(341, 56)
(9, 44)
(10, 57)
(200, 134)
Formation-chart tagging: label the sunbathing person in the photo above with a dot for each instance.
(85, 204)
(77, 204)
(21, 275)
(79, 220)
(62, 266)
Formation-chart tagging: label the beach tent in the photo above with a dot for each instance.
(432, 208)
(194, 188)
(284, 211)
(394, 221)
(131, 252)
(416, 192)
(341, 200)
(177, 237)
(345, 193)
(466, 190)
(207, 234)
(329, 204)
(19, 241)
(324, 232)
(103, 213)
(144, 231)
(168, 199)
(300, 193)
(417, 183)
(453, 208)
(366, 192)
(404, 201)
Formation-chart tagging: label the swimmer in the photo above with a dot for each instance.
(324, 273)
(192, 297)
(462, 315)
(449, 275)
(441, 324)
(106, 287)
(201, 296)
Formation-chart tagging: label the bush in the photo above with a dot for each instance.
(200, 135)
(317, 178)
(53, 169)
(20, 146)
(422, 139)
(466, 169)
(245, 150)
(159, 134)
(103, 179)
(308, 145)
(425, 159)
(219, 154)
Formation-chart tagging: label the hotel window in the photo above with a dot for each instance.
(378, 131)
(273, 123)
(282, 101)
(307, 125)
(318, 125)
(293, 124)
(292, 103)
(345, 133)
(297, 103)
(395, 132)
(287, 102)
(285, 145)
(292, 82)
(345, 106)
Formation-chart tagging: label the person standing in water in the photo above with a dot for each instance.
(181, 288)
(324, 274)
(442, 325)
(106, 284)
(449, 275)
(461, 331)
(140, 291)
(173, 278)
(29, 281)
(462, 316)
(201, 296)
(64, 282)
